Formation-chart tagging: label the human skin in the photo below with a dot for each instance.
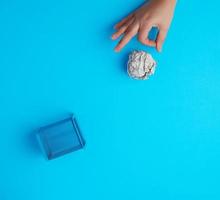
(155, 13)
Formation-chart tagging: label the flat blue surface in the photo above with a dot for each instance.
(155, 139)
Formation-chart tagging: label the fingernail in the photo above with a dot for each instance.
(113, 37)
(159, 49)
(116, 50)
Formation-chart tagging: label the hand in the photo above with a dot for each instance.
(155, 13)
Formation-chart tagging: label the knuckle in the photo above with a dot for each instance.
(126, 39)
(122, 29)
(129, 29)
(161, 39)
(129, 34)
(145, 24)
(132, 32)
(165, 28)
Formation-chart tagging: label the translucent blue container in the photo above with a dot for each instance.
(60, 138)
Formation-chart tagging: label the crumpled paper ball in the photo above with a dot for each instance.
(140, 65)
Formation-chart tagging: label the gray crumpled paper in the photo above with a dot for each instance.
(140, 65)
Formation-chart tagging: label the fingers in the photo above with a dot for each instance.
(143, 35)
(129, 26)
(129, 34)
(122, 22)
(160, 39)
(122, 29)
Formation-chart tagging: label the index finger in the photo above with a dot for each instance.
(127, 37)
(143, 35)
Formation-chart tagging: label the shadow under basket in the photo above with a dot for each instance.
(60, 138)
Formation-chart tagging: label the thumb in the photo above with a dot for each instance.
(161, 38)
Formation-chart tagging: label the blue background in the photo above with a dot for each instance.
(154, 139)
